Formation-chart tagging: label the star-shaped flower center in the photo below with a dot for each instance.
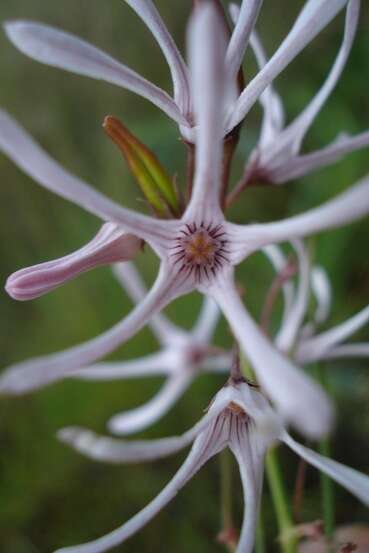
(200, 250)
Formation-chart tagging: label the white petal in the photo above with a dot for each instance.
(135, 420)
(347, 207)
(298, 398)
(131, 281)
(206, 321)
(38, 372)
(300, 166)
(279, 261)
(313, 348)
(207, 48)
(147, 11)
(273, 112)
(322, 290)
(251, 465)
(315, 15)
(36, 163)
(293, 135)
(291, 327)
(348, 350)
(205, 446)
(353, 480)
(241, 33)
(155, 364)
(113, 450)
(111, 244)
(63, 50)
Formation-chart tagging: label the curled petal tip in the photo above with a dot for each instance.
(110, 245)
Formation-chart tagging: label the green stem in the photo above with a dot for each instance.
(260, 545)
(281, 506)
(326, 484)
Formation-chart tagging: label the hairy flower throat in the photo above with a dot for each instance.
(200, 250)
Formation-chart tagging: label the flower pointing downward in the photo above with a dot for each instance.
(239, 418)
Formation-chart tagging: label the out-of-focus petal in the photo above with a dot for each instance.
(313, 348)
(36, 163)
(354, 481)
(155, 364)
(207, 320)
(38, 372)
(147, 11)
(314, 16)
(321, 288)
(135, 420)
(298, 398)
(64, 50)
(291, 327)
(358, 349)
(207, 48)
(110, 245)
(300, 166)
(131, 281)
(244, 25)
(279, 261)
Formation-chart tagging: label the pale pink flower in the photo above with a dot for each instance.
(276, 157)
(238, 418)
(63, 50)
(184, 355)
(200, 250)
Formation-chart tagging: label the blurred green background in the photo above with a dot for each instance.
(50, 496)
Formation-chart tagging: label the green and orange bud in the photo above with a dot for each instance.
(152, 178)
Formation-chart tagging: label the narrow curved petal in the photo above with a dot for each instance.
(251, 466)
(347, 207)
(321, 288)
(294, 134)
(241, 34)
(278, 260)
(207, 320)
(155, 364)
(110, 245)
(315, 15)
(38, 372)
(273, 112)
(348, 350)
(131, 281)
(207, 47)
(207, 444)
(313, 348)
(298, 398)
(113, 450)
(354, 481)
(36, 163)
(290, 328)
(65, 51)
(147, 11)
(135, 420)
(300, 166)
